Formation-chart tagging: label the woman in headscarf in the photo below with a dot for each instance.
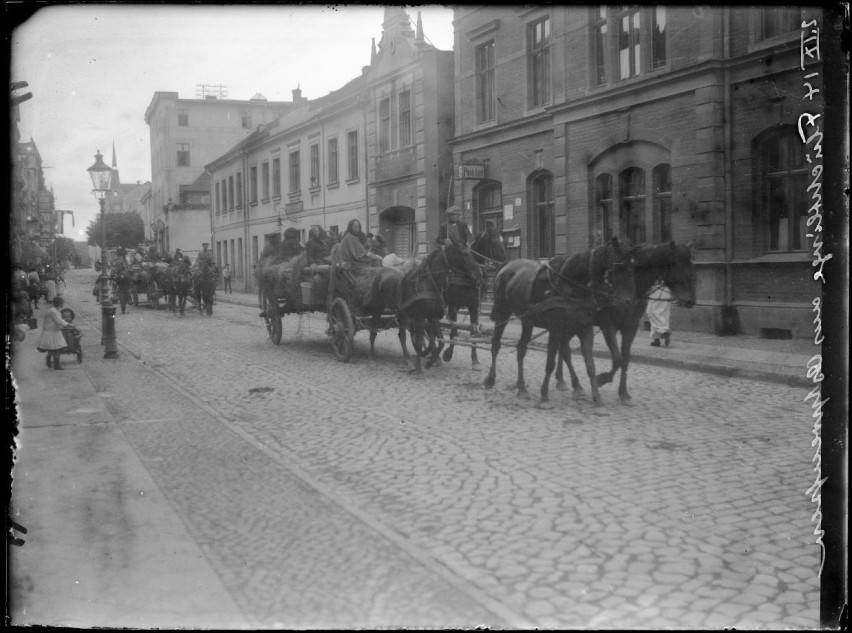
(353, 247)
(319, 245)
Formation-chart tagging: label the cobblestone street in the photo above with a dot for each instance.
(327, 494)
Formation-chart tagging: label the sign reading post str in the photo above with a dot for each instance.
(471, 171)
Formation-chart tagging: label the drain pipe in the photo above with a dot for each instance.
(247, 282)
(728, 307)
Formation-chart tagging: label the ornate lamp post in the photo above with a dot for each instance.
(101, 176)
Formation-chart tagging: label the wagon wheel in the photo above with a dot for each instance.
(271, 316)
(341, 329)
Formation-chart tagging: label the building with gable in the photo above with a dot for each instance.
(408, 100)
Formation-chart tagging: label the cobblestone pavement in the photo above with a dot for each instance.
(687, 509)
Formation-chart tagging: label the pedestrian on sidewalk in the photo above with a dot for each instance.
(659, 313)
(51, 339)
(226, 279)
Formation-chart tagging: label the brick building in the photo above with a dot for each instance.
(574, 124)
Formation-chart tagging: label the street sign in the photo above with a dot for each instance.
(471, 171)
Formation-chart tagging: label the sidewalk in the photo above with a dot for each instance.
(103, 545)
(749, 357)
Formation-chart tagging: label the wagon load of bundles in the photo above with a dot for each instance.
(154, 272)
(276, 273)
(356, 284)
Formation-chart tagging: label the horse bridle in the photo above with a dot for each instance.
(590, 286)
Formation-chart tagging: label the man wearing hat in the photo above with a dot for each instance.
(204, 255)
(458, 233)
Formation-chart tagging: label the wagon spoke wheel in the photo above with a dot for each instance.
(342, 330)
(271, 315)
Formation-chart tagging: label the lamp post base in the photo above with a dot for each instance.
(108, 329)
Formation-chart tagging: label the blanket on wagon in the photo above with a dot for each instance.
(277, 273)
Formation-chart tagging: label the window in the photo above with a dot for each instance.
(246, 120)
(538, 54)
(601, 42)
(544, 229)
(239, 200)
(253, 184)
(603, 210)
(183, 154)
(264, 180)
(632, 209)
(352, 147)
(783, 182)
(233, 252)
(225, 251)
(629, 53)
(485, 82)
(489, 204)
(230, 193)
(218, 199)
(384, 125)
(183, 117)
(276, 177)
(254, 252)
(333, 174)
(662, 203)
(405, 118)
(775, 21)
(295, 174)
(658, 37)
(315, 165)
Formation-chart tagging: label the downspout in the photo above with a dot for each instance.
(367, 168)
(247, 248)
(210, 210)
(323, 172)
(727, 308)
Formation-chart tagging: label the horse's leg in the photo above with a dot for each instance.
(587, 339)
(374, 330)
(614, 352)
(474, 323)
(627, 337)
(403, 334)
(502, 320)
(452, 314)
(417, 342)
(433, 333)
(554, 344)
(526, 335)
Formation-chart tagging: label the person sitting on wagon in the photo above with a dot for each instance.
(377, 245)
(318, 248)
(353, 248)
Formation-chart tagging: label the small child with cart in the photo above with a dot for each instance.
(59, 335)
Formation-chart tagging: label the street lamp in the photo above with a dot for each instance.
(101, 176)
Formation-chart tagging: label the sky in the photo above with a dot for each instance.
(93, 69)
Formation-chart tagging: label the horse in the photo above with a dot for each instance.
(561, 296)
(467, 290)
(672, 263)
(204, 281)
(416, 297)
(178, 282)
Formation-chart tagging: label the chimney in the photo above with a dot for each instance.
(297, 94)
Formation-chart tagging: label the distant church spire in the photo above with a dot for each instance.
(116, 181)
(373, 53)
(114, 165)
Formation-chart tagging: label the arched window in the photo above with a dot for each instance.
(662, 203)
(488, 198)
(632, 205)
(783, 190)
(603, 209)
(543, 221)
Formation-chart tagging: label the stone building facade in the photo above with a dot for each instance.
(306, 167)
(574, 124)
(185, 135)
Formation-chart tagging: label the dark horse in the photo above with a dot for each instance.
(561, 296)
(178, 280)
(417, 299)
(670, 263)
(466, 290)
(204, 281)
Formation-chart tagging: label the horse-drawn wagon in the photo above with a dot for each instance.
(147, 278)
(333, 289)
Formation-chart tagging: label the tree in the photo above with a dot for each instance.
(64, 251)
(124, 228)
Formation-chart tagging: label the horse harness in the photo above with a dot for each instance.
(434, 295)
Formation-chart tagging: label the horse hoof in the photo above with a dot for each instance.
(561, 386)
(523, 395)
(476, 367)
(545, 404)
(626, 399)
(447, 356)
